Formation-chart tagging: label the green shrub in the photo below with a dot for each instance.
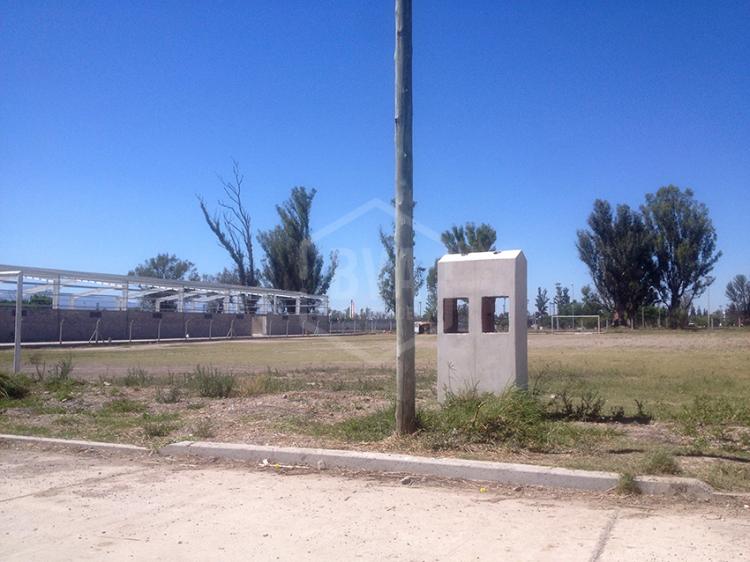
(212, 383)
(13, 387)
(514, 418)
(661, 462)
(62, 388)
(587, 407)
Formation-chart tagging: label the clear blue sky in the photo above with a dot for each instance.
(113, 115)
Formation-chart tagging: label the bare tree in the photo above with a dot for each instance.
(233, 228)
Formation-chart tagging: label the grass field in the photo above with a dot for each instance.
(631, 402)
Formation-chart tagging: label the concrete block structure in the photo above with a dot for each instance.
(482, 322)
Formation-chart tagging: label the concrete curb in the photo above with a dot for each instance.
(505, 473)
(73, 443)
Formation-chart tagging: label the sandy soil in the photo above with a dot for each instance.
(85, 506)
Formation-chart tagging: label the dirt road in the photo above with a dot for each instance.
(64, 506)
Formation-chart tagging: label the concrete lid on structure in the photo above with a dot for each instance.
(480, 256)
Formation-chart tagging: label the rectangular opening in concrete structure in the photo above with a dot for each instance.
(456, 316)
(495, 314)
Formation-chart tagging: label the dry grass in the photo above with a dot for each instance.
(339, 392)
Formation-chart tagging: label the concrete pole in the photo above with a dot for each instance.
(19, 317)
(56, 293)
(124, 298)
(405, 356)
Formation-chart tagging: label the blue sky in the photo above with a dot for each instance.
(114, 115)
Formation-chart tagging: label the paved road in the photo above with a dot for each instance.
(64, 506)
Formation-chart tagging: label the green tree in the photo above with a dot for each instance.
(685, 247)
(430, 310)
(590, 301)
(541, 302)
(459, 240)
(293, 261)
(562, 299)
(40, 300)
(738, 293)
(233, 228)
(469, 238)
(618, 251)
(225, 277)
(166, 266)
(387, 275)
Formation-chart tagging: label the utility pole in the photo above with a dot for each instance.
(406, 419)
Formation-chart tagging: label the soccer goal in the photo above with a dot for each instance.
(576, 323)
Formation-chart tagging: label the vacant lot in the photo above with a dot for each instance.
(633, 402)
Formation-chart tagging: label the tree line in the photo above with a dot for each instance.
(660, 254)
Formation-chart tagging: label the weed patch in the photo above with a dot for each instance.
(204, 428)
(168, 395)
(626, 485)
(212, 383)
(13, 387)
(122, 406)
(515, 419)
(706, 411)
(136, 377)
(661, 462)
(728, 476)
(266, 383)
(60, 370)
(158, 426)
(587, 407)
(370, 428)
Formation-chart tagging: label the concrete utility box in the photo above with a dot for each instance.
(481, 322)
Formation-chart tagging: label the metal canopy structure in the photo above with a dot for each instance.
(80, 290)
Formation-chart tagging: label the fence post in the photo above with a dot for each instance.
(19, 317)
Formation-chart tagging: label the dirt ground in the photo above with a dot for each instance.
(57, 505)
(317, 384)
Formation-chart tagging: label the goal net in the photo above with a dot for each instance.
(588, 323)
